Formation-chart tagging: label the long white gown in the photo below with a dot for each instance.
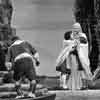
(75, 79)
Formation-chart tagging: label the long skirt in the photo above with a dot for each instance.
(75, 79)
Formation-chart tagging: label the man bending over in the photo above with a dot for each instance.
(22, 58)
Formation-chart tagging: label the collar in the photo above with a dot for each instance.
(17, 42)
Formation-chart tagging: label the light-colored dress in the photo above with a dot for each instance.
(72, 62)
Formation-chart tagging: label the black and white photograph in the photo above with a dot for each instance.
(49, 49)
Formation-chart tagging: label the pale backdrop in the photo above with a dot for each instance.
(43, 23)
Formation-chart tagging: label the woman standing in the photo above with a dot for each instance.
(76, 54)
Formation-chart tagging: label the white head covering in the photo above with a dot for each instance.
(77, 27)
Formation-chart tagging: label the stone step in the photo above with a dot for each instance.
(77, 93)
(2, 73)
(12, 95)
(7, 91)
(10, 87)
(7, 94)
(1, 80)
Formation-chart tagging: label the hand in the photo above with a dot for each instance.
(8, 65)
(37, 63)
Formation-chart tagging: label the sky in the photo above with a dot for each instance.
(43, 23)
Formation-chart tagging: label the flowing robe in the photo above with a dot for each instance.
(77, 61)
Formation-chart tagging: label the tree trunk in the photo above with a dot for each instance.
(86, 12)
(6, 31)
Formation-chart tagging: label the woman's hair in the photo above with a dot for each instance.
(67, 35)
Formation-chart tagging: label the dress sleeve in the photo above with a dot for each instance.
(31, 49)
(35, 53)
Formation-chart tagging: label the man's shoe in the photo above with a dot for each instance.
(31, 95)
(63, 88)
(19, 96)
(84, 88)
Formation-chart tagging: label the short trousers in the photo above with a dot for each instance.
(24, 67)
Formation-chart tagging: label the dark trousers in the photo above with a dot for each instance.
(24, 67)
